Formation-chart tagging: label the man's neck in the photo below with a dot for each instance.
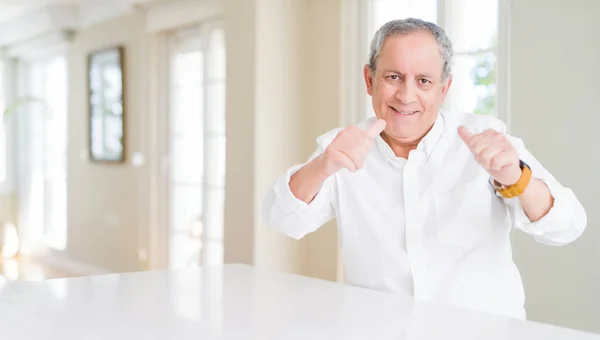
(400, 148)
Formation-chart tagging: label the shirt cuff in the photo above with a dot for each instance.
(560, 207)
(291, 204)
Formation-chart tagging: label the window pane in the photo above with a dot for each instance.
(187, 69)
(55, 141)
(186, 110)
(216, 48)
(216, 110)
(214, 207)
(56, 213)
(473, 86)
(187, 162)
(215, 148)
(386, 10)
(484, 80)
(186, 206)
(474, 24)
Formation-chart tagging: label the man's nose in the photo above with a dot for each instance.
(407, 92)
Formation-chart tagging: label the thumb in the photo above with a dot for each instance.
(464, 133)
(375, 129)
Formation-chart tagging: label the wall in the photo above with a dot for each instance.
(284, 56)
(323, 93)
(105, 200)
(554, 108)
(279, 117)
(240, 27)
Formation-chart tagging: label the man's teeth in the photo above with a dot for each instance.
(407, 113)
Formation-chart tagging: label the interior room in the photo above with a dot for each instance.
(143, 135)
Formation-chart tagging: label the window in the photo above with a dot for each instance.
(197, 146)
(45, 171)
(386, 10)
(55, 164)
(472, 26)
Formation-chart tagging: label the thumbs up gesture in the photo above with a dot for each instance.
(350, 147)
(494, 152)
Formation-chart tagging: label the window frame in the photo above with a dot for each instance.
(160, 233)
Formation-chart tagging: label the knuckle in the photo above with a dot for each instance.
(480, 158)
(487, 158)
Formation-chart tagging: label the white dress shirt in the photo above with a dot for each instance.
(431, 225)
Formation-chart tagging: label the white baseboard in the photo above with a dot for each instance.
(60, 261)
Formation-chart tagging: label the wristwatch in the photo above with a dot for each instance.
(518, 188)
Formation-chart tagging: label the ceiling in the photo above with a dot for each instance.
(14, 9)
(23, 20)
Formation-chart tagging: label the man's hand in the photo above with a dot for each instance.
(495, 153)
(350, 148)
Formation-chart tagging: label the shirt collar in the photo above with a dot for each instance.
(426, 145)
(433, 136)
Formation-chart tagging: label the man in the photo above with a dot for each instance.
(425, 199)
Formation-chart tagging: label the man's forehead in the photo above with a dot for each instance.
(410, 53)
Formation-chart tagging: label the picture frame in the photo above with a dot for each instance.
(106, 105)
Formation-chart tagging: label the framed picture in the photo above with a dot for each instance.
(106, 105)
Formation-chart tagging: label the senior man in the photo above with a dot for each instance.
(425, 199)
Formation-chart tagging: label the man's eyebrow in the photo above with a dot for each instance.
(420, 75)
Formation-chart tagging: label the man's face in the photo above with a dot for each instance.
(407, 88)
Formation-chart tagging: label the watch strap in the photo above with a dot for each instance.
(519, 187)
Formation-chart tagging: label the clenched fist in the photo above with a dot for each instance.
(495, 153)
(350, 147)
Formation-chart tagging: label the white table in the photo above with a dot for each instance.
(238, 302)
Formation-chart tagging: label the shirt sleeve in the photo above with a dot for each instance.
(293, 217)
(566, 219)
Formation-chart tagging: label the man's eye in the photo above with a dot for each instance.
(424, 81)
(393, 77)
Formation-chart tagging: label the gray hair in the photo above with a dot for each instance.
(412, 25)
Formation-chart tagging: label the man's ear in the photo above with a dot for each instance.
(446, 87)
(368, 79)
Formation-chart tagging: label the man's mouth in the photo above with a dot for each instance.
(404, 112)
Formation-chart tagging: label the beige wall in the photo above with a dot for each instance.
(288, 93)
(240, 22)
(280, 108)
(106, 204)
(323, 110)
(554, 89)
